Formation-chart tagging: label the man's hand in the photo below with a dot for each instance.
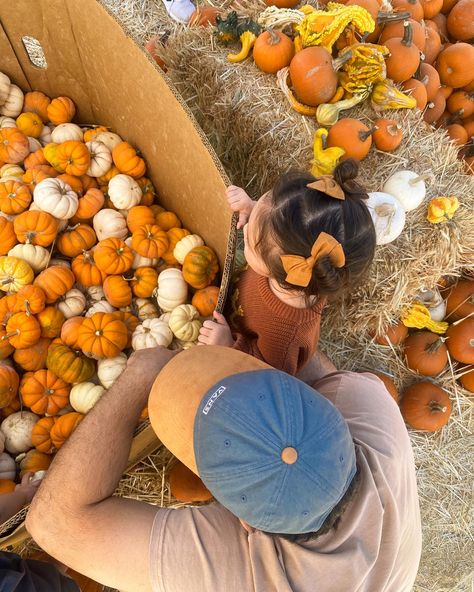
(240, 202)
(216, 332)
(27, 488)
(146, 364)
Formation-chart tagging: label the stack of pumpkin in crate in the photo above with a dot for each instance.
(84, 251)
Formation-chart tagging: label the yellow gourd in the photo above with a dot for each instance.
(441, 209)
(418, 317)
(325, 159)
(386, 96)
(328, 113)
(282, 79)
(364, 68)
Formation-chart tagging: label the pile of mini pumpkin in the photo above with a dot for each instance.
(443, 320)
(91, 269)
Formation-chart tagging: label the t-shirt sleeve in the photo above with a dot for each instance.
(196, 549)
(373, 417)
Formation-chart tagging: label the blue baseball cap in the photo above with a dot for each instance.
(270, 448)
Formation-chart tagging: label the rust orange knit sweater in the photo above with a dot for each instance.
(265, 327)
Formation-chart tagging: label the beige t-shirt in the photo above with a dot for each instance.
(376, 547)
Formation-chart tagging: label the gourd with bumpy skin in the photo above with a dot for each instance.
(388, 216)
(172, 289)
(434, 302)
(408, 187)
(151, 333)
(109, 369)
(185, 323)
(17, 429)
(85, 395)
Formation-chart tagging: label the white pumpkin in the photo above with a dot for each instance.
(109, 369)
(408, 187)
(165, 317)
(145, 309)
(56, 197)
(100, 306)
(5, 85)
(7, 122)
(2, 442)
(185, 322)
(60, 262)
(101, 158)
(172, 289)
(11, 170)
(186, 244)
(66, 131)
(184, 344)
(434, 302)
(17, 429)
(388, 216)
(7, 466)
(95, 294)
(151, 333)
(85, 395)
(14, 103)
(34, 144)
(45, 136)
(35, 255)
(124, 192)
(138, 260)
(109, 139)
(38, 476)
(110, 223)
(72, 304)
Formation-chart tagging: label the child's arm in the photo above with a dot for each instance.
(11, 503)
(240, 202)
(216, 332)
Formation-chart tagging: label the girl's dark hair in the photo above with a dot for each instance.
(297, 215)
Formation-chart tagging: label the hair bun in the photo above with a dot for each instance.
(346, 171)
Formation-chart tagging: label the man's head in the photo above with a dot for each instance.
(271, 449)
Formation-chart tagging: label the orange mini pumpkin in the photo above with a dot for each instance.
(7, 236)
(69, 331)
(55, 282)
(41, 435)
(93, 131)
(460, 340)
(8, 307)
(23, 330)
(167, 220)
(461, 21)
(34, 461)
(73, 157)
(7, 486)
(51, 320)
(37, 102)
(455, 65)
(30, 124)
(9, 381)
(130, 321)
(86, 271)
(467, 380)
(150, 241)
(313, 77)
(460, 300)
(425, 406)
(44, 393)
(35, 227)
(64, 427)
(117, 291)
(5, 348)
(61, 110)
(35, 159)
(148, 191)
(74, 182)
(139, 216)
(174, 236)
(33, 176)
(14, 146)
(273, 50)
(351, 135)
(392, 334)
(388, 134)
(186, 486)
(76, 239)
(15, 197)
(33, 358)
(30, 299)
(404, 57)
(426, 353)
(417, 90)
(72, 366)
(200, 267)
(389, 384)
(205, 300)
(144, 282)
(113, 256)
(127, 160)
(102, 335)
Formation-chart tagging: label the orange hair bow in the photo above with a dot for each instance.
(327, 184)
(299, 270)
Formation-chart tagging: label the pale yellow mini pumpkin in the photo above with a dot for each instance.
(66, 131)
(72, 304)
(109, 139)
(13, 105)
(85, 395)
(7, 122)
(11, 170)
(56, 197)
(109, 369)
(100, 306)
(151, 333)
(124, 192)
(172, 289)
(14, 274)
(101, 158)
(185, 245)
(5, 84)
(109, 223)
(145, 309)
(35, 255)
(185, 323)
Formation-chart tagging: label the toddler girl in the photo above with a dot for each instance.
(306, 240)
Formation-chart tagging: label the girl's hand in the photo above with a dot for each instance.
(240, 202)
(216, 332)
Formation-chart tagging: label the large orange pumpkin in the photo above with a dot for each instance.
(55, 282)
(425, 406)
(467, 379)
(33, 358)
(70, 365)
(404, 57)
(127, 160)
(353, 136)
(455, 65)
(35, 227)
(41, 434)
(102, 335)
(312, 76)
(15, 197)
(9, 381)
(426, 353)
(205, 300)
(461, 21)
(14, 146)
(44, 393)
(86, 271)
(200, 267)
(64, 427)
(460, 340)
(460, 300)
(76, 239)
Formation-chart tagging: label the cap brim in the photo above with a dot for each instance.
(180, 387)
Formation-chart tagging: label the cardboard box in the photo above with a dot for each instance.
(114, 82)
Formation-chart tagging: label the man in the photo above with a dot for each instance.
(316, 486)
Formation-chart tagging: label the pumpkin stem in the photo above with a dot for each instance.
(71, 228)
(384, 17)
(11, 334)
(416, 180)
(384, 210)
(27, 308)
(435, 407)
(407, 34)
(273, 37)
(342, 59)
(364, 135)
(433, 347)
(7, 281)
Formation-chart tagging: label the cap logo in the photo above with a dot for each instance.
(212, 399)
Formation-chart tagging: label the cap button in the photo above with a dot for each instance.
(289, 455)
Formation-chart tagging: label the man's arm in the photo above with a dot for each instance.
(74, 516)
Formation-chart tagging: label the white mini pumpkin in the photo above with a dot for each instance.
(14, 103)
(138, 260)
(109, 139)
(72, 304)
(2, 442)
(110, 223)
(151, 333)
(35, 255)
(388, 216)
(408, 187)
(95, 294)
(101, 158)
(34, 144)
(56, 197)
(100, 306)
(434, 302)
(165, 317)
(124, 192)
(7, 466)
(172, 289)
(185, 322)
(145, 309)
(66, 131)
(60, 262)
(5, 85)
(11, 170)
(186, 244)
(85, 395)
(7, 122)
(45, 137)
(17, 429)
(109, 369)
